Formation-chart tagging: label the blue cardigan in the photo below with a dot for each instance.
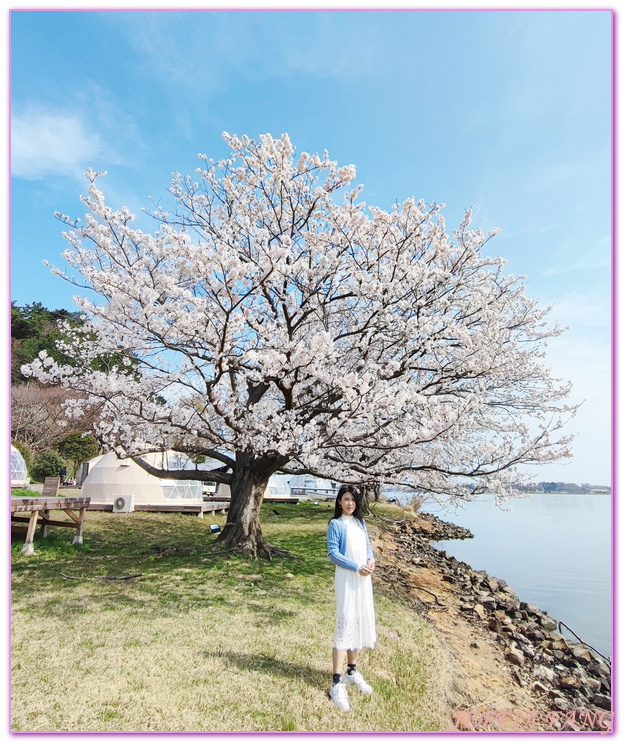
(336, 544)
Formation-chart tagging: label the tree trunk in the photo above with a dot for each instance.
(242, 532)
(369, 491)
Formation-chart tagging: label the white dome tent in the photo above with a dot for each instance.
(19, 471)
(85, 468)
(110, 477)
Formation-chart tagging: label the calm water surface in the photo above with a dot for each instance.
(552, 550)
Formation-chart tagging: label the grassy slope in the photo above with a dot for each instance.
(203, 641)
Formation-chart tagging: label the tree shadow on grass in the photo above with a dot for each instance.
(270, 613)
(274, 667)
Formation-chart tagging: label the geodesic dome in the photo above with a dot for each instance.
(187, 489)
(19, 471)
(110, 477)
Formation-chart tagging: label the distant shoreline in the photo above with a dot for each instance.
(564, 492)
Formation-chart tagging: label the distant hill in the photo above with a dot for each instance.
(563, 487)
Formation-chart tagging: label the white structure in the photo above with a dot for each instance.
(85, 468)
(278, 486)
(19, 472)
(310, 486)
(110, 477)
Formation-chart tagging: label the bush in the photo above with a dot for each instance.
(48, 464)
(26, 452)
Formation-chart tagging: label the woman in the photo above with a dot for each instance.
(350, 550)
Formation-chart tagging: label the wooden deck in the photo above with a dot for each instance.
(267, 499)
(40, 509)
(198, 509)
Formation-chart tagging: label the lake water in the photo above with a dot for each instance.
(552, 550)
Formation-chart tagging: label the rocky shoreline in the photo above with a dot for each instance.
(570, 679)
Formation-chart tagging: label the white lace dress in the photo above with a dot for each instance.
(355, 626)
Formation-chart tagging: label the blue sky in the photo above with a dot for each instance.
(505, 111)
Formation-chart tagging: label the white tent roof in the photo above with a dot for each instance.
(111, 477)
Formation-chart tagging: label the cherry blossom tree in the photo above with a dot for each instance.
(37, 416)
(273, 322)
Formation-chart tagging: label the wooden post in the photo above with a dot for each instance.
(28, 548)
(45, 517)
(78, 538)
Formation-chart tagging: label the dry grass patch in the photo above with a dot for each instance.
(202, 642)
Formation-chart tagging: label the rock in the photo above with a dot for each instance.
(569, 682)
(465, 607)
(598, 668)
(559, 645)
(515, 656)
(518, 678)
(535, 635)
(559, 702)
(480, 610)
(288, 575)
(543, 672)
(494, 584)
(556, 636)
(582, 654)
(507, 603)
(593, 684)
(530, 608)
(424, 526)
(538, 687)
(603, 701)
(548, 623)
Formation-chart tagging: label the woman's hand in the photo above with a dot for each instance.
(367, 569)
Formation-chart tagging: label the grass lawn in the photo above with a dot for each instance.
(203, 641)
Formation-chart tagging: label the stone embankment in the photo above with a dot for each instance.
(567, 675)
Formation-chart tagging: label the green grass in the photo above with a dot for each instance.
(23, 493)
(203, 641)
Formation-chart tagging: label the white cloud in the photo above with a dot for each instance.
(594, 257)
(51, 143)
(578, 309)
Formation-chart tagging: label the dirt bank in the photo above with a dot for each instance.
(511, 669)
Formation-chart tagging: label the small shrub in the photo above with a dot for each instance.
(48, 464)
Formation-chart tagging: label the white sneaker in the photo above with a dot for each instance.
(339, 696)
(356, 679)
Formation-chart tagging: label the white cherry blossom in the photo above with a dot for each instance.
(273, 321)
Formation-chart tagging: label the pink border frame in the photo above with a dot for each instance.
(614, 437)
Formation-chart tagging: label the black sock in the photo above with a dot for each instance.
(351, 669)
(337, 677)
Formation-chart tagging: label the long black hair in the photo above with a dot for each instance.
(358, 512)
